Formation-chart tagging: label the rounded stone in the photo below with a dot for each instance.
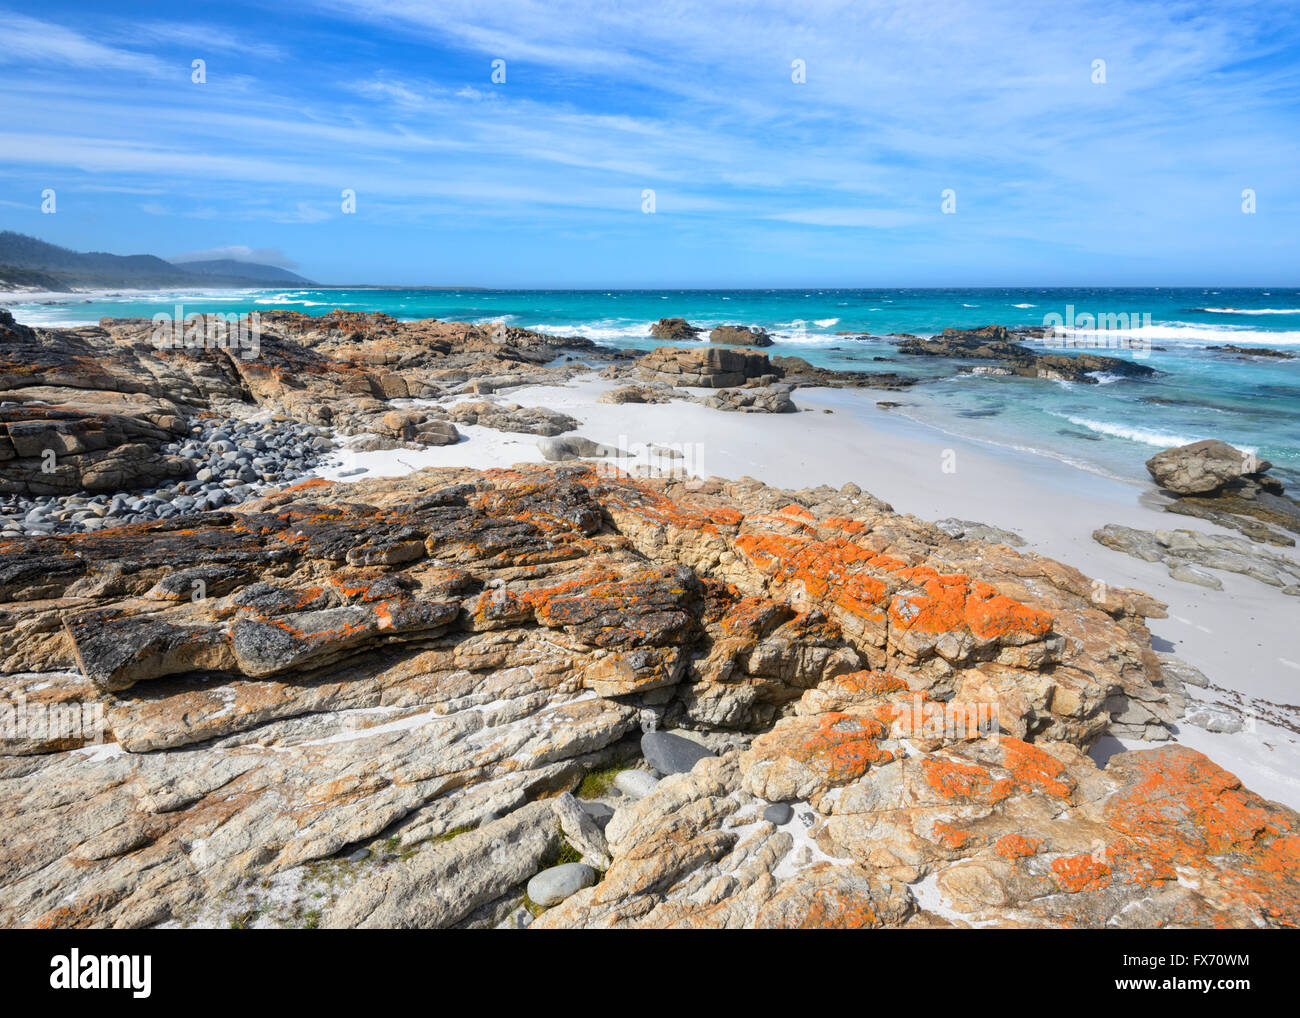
(778, 813)
(635, 783)
(672, 754)
(552, 886)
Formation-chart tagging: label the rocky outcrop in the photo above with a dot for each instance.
(386, 678)
(637, 394)
(674, 329)
(513, 417)
(1190, 555)
(712, 368)
(997, 343)
(740, 335)
(1202, 467)
(755, 399)
(1227, 486)
(1251, 352)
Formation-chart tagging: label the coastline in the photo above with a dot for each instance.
(1235, 636)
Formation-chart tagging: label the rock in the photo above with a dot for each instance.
(514, 418)
(1215, 718)
(581, 830)
(437, 658)
(599, 812)
(710, 367)
(635, 783)
(552, 886)
(671, 754)
(996, 342)
(444, 883)
(966, 529)
(772, 399)
(778, 813)
(573, 448)
(1227, 486)
(360, 855)
(739, 335)
(1251, 352)
(1189, 553)
(1202, 467)
(674, 329)
(635, 394)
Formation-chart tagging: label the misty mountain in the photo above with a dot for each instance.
(27, 261)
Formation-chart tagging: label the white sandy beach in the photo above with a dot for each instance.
(1242, 637)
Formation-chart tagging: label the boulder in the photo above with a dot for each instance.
(1202, 466)
(573, 448)
(671, 754)
(673, 328)
(710, 367)
(740, 335)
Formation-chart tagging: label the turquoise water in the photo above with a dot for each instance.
(1112, 427)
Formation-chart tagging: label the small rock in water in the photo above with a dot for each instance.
(552, 886)
(672, 754)
(637, 784)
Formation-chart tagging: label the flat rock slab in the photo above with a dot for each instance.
(552, 886)
(672, 754)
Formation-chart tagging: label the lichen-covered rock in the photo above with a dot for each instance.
(417, 665)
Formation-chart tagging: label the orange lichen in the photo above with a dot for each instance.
(1016, 846)
(1032, 769)
(1077, 873)
(951, 837)
(953, 780)
(844, 747)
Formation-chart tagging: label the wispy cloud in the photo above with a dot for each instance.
(844, 170)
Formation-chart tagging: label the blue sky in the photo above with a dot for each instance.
(758, 180)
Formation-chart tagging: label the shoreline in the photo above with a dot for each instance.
(1235, 636)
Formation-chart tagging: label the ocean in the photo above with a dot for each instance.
(1110, 428)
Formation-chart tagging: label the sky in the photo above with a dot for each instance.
(665, 144)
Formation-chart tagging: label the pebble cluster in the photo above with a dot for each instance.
(233, 460)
